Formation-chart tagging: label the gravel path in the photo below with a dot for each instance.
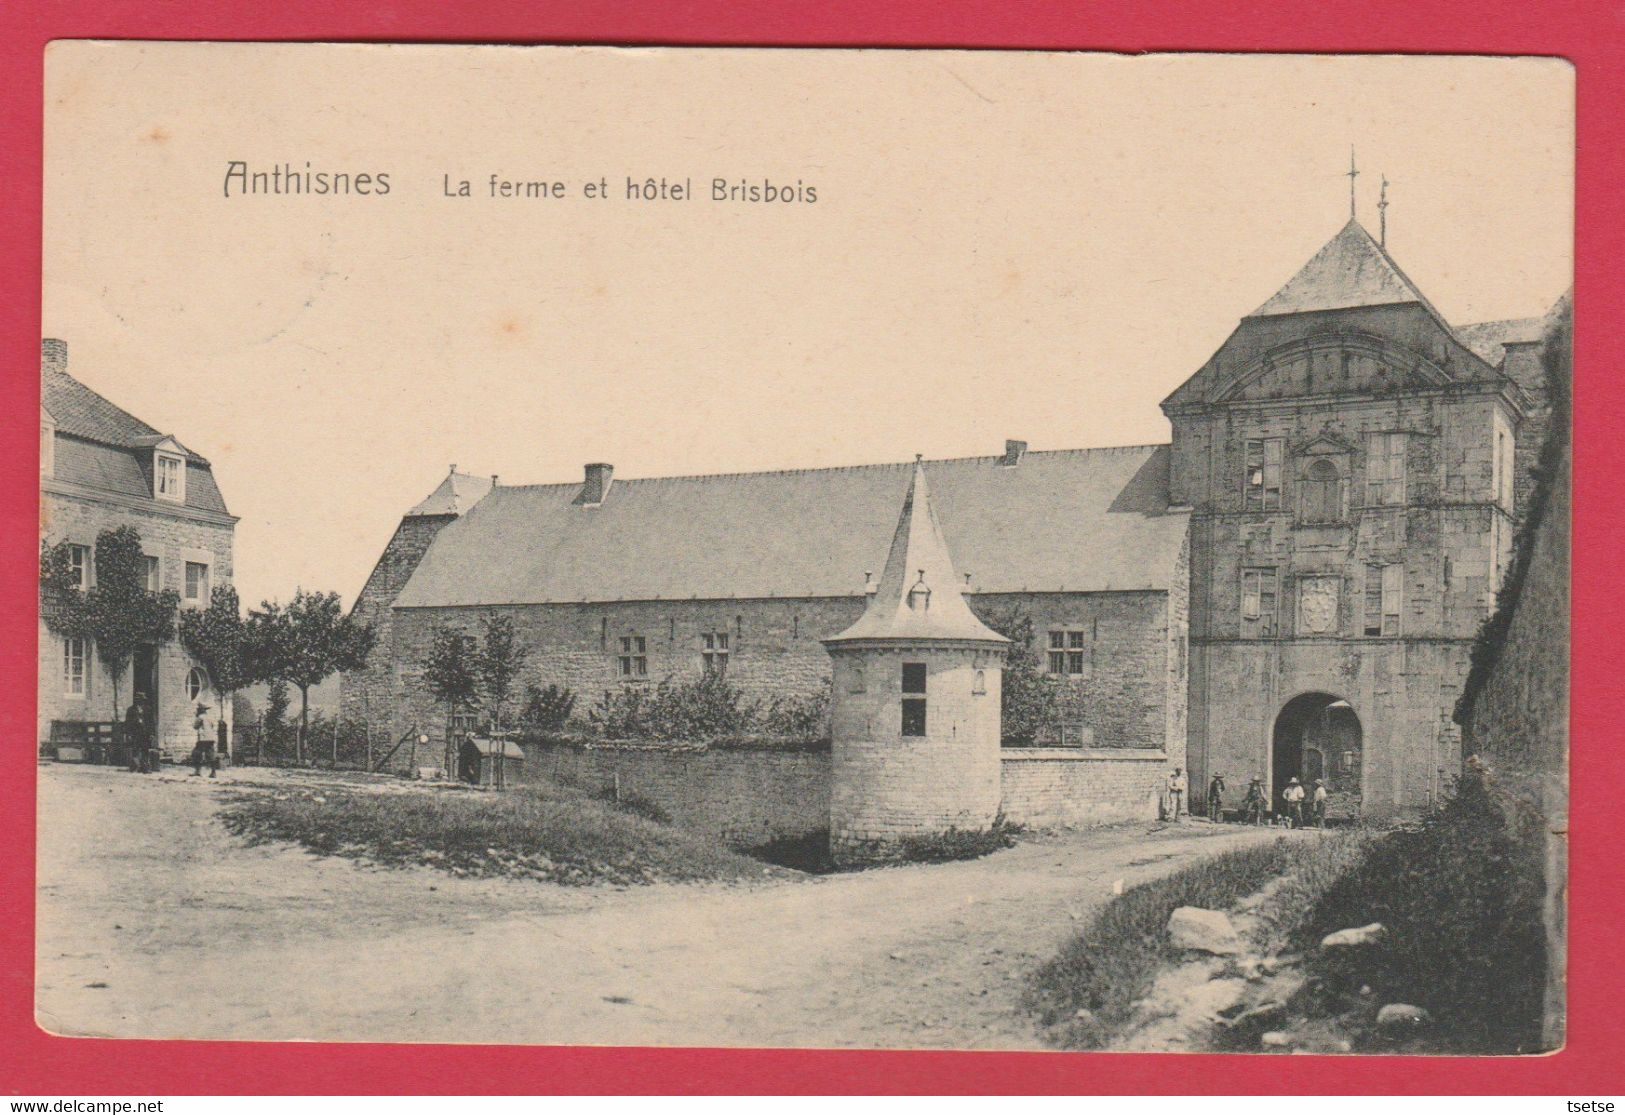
(155, 922)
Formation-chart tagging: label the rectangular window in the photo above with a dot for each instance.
(1068, 653)
(154, 580)
(79, 562)
(1263, 479)
(1385, 470)
(1383, 587)
(914, 698)
(197, 582)
(169, 478)
(73, 667)
(714, 652)
(1258, 603)
(1504, 469)
(634, 660)
(47, 449)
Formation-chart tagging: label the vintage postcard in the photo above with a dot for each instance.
(743, 547)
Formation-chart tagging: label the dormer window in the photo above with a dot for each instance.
(169, 477)
(919, 597)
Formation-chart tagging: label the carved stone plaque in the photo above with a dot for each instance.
(1317, 605)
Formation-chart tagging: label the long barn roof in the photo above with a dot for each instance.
(1063, 521)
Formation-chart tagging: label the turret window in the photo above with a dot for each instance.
(914, 698)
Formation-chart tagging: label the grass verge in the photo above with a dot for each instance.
(1112, 964)
(1460, 898)
(541, 830)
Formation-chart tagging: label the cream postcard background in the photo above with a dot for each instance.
(1038, 246)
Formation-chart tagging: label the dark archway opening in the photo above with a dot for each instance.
(1317, 735)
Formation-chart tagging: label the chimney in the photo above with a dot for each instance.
(53, 355)
(596, 484)
(1013, 451)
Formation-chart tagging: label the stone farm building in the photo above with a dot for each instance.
(102, 468)
(1290, 587)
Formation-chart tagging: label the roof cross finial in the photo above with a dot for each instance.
(1382, 214)
(1353, 173)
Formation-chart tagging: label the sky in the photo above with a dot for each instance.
(1003, 245)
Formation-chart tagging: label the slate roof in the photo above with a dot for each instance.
(920, 595)
(1350, 270)
(457, 493)
(103, 446)
(1488, 339)
(1062, 521)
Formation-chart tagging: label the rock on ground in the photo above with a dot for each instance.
(1401, 1016)
(1348, 938)
(1191, 927)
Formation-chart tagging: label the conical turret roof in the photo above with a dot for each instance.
(920, 595)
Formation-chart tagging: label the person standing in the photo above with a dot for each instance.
(1176, 794)
(135, 736)
(1317, 807)
(1215, 798)
(1253, 806)
(1293, 797)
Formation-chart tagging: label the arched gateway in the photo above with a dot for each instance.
(1317, 735)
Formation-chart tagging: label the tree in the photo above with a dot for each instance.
(304, 642)
(1028, 695)
(276, 712)
(118, 614)
(501, 657)
(451, 671)
(217, 638)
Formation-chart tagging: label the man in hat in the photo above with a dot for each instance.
(135, 732)
(1215, 798)
(1253, 806)
(1293, 797)
(1317, 804)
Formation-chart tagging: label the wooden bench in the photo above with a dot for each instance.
(84, 741)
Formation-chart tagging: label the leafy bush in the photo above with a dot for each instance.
(803, 716)
(1030, 698)
(709, 710)
(546, 710)
(1461, 899)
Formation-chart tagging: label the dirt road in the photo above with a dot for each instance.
(155, 922)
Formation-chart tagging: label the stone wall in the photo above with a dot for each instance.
(750, 797)
(174, 537)
(745, 798)
(1050, 787)
(1121, 700)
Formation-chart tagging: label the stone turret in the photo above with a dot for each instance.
(368, 695)
(915, 714)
